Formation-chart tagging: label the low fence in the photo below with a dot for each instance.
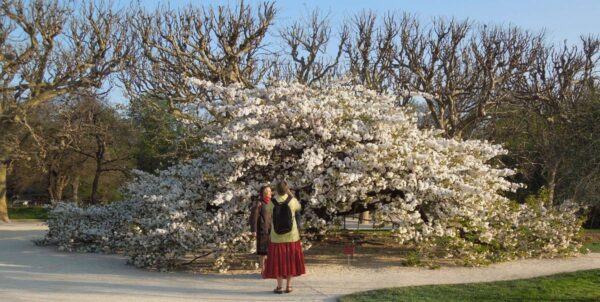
(353, 222)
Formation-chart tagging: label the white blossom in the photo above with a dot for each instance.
(340, 146)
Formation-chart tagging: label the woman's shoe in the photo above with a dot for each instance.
(289, 289)
(278, 290)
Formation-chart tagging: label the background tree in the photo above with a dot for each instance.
(559, 81)
(307, 45)
(219, 44)
(460, 70)
(551, 122)
(79, 130)
(100, 134)
(49, 49)
(54, 155)
(370, 50)
(162, 140)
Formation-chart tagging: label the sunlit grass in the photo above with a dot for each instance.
(577, 286)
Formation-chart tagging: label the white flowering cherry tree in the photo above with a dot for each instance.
(343, 149)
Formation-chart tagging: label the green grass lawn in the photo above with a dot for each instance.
(28, 213)
(577, 286)
(592, 240)
(594, 247)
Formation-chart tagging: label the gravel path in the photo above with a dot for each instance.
(31, 273)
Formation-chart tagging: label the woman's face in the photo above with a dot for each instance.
(267, 193)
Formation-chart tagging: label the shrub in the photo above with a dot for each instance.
(344, 149)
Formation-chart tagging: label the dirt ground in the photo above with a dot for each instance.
(372, 250)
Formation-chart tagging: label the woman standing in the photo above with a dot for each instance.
(285, 259)
(260, 224)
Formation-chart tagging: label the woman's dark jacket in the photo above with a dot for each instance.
(260, 222)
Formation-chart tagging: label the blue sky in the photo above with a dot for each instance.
(566, 19)
(561, 20)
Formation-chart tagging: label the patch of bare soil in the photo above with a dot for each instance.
(372, 249)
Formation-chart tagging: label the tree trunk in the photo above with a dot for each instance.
(552, 183)
(56, 185)
(50, 185)
(95, 183)
(59, 189)
(75, 187)
(364, 217)
(101, 148)
(3, 200)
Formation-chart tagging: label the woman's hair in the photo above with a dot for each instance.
(262, 190)
(283, 188)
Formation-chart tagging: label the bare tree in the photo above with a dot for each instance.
(461, 72)
(49, 49)
(307, 44)
(370, 50)
(219, 44)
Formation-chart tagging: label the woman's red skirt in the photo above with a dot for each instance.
(283, 260)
